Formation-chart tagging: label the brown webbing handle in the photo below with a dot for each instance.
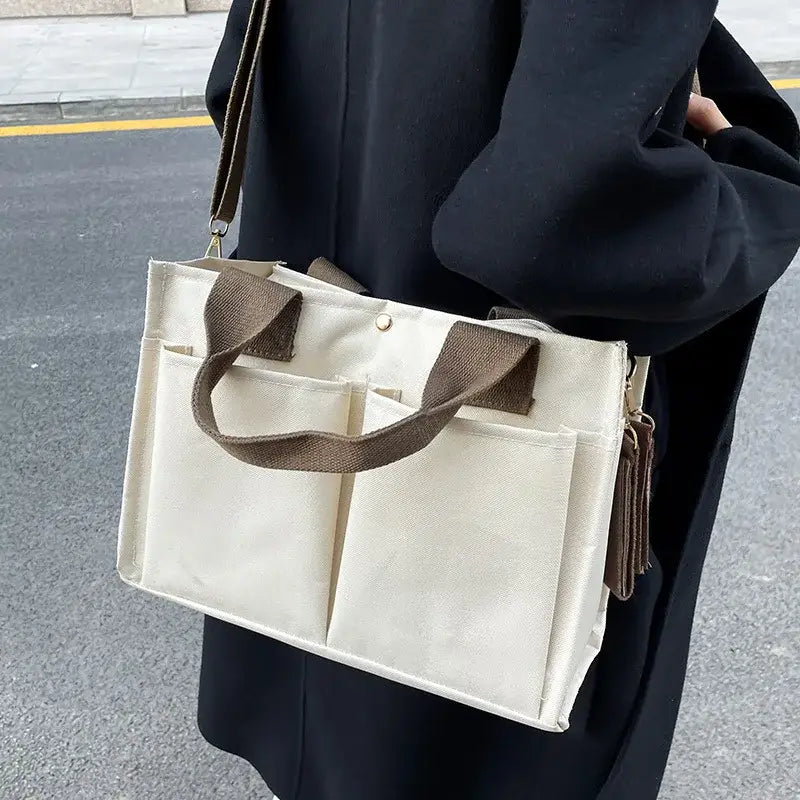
(246, 313)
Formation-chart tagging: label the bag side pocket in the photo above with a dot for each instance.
(579, 618)
(253, 544)
(451, 561)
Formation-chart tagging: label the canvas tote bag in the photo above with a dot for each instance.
(418, 495)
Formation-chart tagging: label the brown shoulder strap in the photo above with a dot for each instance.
(230, 169)
(327, 271)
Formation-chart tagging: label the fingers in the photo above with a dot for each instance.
(705, 116)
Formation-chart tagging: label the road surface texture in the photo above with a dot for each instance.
(98, 682)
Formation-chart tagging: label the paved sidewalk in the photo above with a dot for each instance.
(768, 29)
(69, 66)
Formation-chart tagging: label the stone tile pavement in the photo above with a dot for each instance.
(768, 29)
(61, 65)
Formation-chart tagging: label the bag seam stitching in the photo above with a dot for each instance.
(299, 641)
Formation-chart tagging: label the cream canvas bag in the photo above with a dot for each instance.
(414, 494)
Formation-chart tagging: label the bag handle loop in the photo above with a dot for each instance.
(478, 365)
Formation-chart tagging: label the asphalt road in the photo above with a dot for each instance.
(98, 682)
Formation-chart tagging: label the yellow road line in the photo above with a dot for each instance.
(167, 123)
(106, 125)
(787, 83)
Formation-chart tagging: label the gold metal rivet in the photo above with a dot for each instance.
(383, 322)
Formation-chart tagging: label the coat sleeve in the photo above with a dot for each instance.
(576, 214)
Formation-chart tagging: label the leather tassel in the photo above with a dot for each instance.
(645, 430)
(629, 533)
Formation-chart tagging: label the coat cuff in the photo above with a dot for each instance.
(743, 147)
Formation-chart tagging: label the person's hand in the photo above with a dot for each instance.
(705, 116)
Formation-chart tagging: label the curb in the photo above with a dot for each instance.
(780, 69)
(113, 107)
(54, 109)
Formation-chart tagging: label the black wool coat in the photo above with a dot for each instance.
(464, 154)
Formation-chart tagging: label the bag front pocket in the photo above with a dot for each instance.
(451, 560)
(255, 544)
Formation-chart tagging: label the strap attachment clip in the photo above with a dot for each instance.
(217, 229)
